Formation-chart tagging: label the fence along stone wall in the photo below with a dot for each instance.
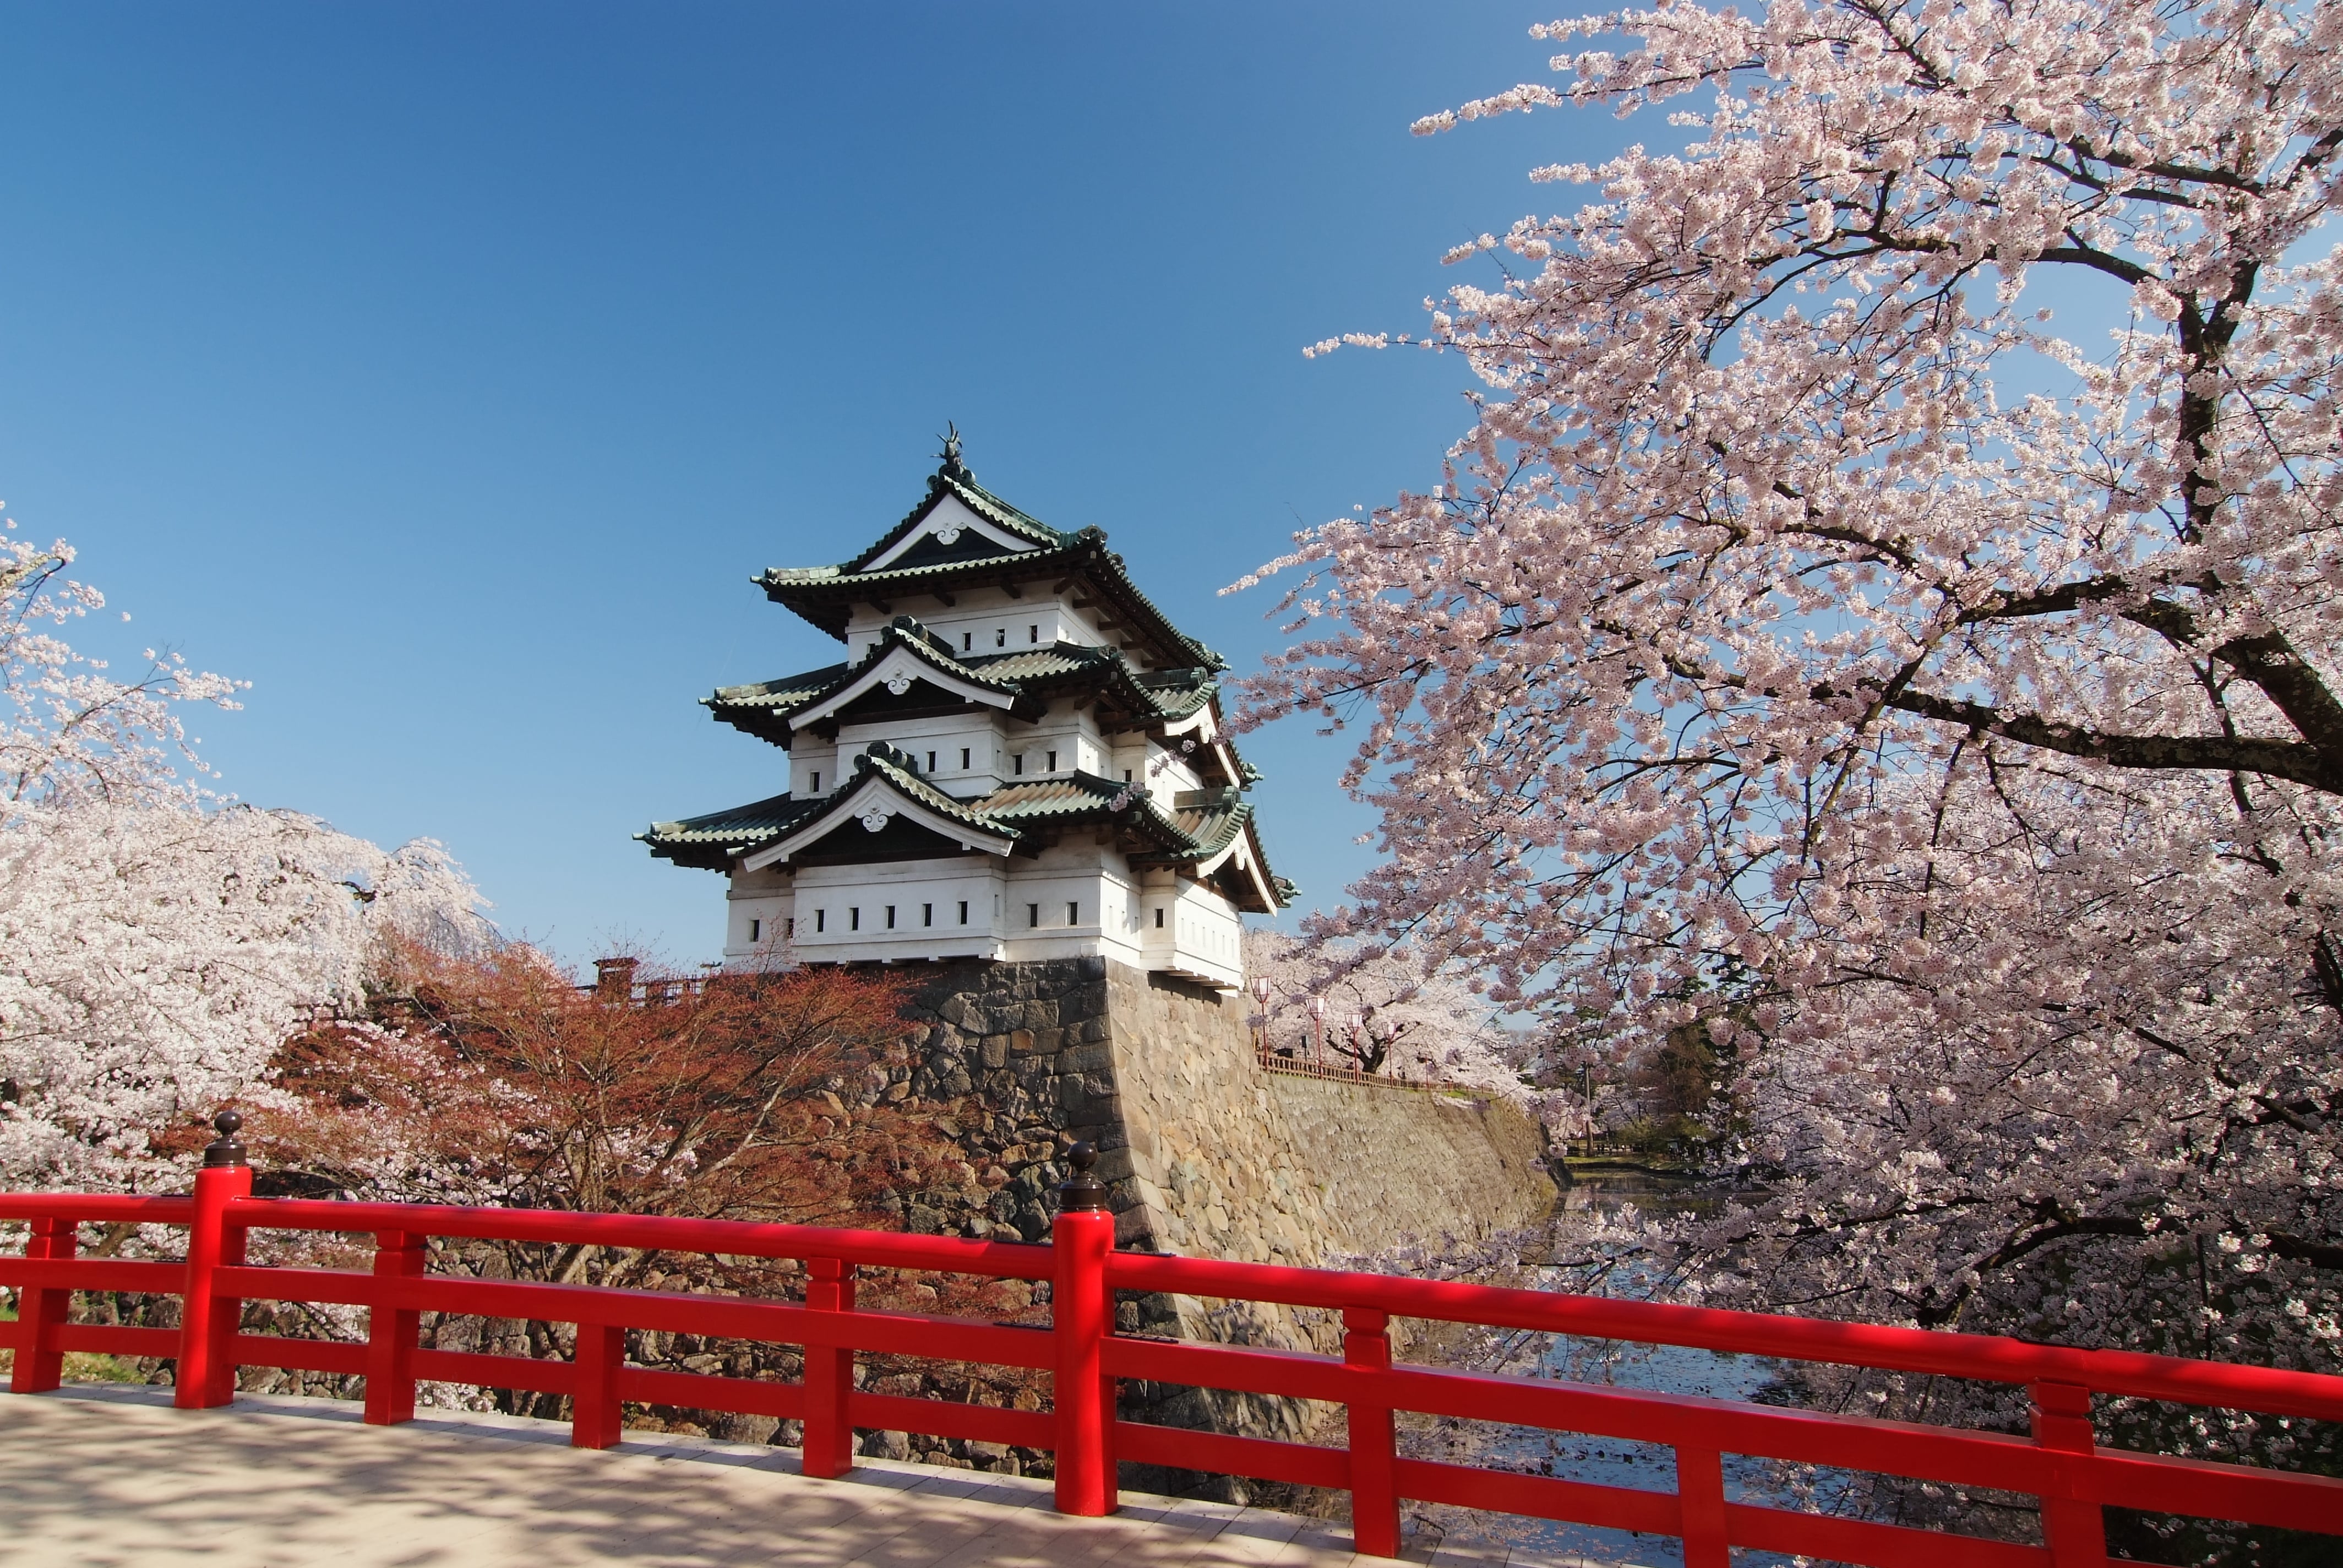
(1204, 1154)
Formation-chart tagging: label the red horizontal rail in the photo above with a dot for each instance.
(1985, 1357)
(1218, 1453)
(116, 1339)
(93, 1274)
(337, 1356)
(653, 1232)
(96, 1208)
(2061, 1463)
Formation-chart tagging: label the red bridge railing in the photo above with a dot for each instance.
(2061, 1463)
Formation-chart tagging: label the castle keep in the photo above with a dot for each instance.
(1020, 759)
(1016, 777)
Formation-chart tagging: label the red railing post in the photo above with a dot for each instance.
(1375, 1489)
(594, 1406)
(208, 1322)
(1700, 1503)
(2074, 1529)
(40, 1365)
(391, 1333)
(1081, 1314)
(828, 1450)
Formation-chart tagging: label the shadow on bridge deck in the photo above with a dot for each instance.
(112, 1477)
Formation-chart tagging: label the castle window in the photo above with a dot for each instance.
(1001, 637)
(1032, 914)
(931, 761)
(1074, 913)
(789, 928)
(927, 914)
(1017, 763)
(963, 756)
(1126, 775)
(968, 642)
(1032, 634)
(814, 788)
(1159, 917)
(963, 911)
(756, 930)
(1052, 768)
(821, 920)
(854, 918)
(890, 917)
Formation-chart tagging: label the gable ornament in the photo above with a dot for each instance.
(874, 817)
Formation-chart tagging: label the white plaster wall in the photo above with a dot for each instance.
(811, 755)
(757, 908)
(829, 930)
(980, 621)
(946, 736)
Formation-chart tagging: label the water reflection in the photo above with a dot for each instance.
(1664, 1369)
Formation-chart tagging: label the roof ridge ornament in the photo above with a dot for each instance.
(951, 466)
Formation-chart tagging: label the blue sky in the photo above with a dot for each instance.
(446, 371)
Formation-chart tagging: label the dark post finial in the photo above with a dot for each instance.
(1082, 1191)
(225, 1149)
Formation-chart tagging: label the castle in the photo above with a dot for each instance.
(1019, 759)
(1017, 776)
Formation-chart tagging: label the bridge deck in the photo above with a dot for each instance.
(111, 1477)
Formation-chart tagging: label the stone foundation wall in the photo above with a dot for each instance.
(1204, 1154)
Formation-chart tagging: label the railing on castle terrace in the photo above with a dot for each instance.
(1334, 1073)
(2060, 1464)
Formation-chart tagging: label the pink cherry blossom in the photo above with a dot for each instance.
(1809, 640)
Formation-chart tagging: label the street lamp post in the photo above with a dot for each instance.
(1261, 1015)
(1317, 1005)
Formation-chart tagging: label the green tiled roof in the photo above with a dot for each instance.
(826, 595)
(1198, 827)
(716, 839)
(764, 708)
(954, 479)
(779, 696)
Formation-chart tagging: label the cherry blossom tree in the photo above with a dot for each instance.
(1383, 1011)
(1815, 639)
(68, 730)
(158, 943)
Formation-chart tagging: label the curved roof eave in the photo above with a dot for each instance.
(876, 774)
